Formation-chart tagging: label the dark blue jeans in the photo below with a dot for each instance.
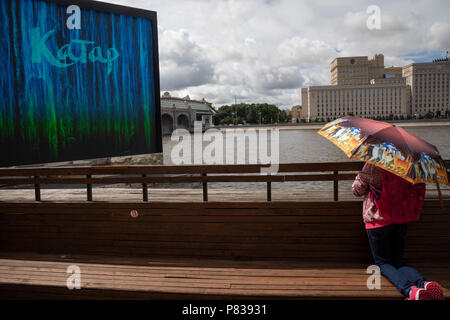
(387, 245)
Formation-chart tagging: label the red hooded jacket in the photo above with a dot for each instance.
(388, 199)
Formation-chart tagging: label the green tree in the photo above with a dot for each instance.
(251, 113)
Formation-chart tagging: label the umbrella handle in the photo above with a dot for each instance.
(441, 202)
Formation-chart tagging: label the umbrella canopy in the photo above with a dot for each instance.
(389, 147)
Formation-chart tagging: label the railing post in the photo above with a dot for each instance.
(89, 189)
(269, 190)
(205, 189)
(144, 190)
(336, 186)
(37, 190)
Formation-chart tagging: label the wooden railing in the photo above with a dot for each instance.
(170, 174)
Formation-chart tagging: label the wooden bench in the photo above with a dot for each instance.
(192, 249)
(44, 276)
(204, 250)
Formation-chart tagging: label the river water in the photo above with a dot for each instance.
(305, 145)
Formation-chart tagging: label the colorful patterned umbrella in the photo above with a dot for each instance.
(389, 147)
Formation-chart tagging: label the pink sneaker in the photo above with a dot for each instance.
(419, 294)
(434, 290)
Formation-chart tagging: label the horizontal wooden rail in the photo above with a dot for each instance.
(183, 169)
(183, 179)
(173, 174)
(179, 169)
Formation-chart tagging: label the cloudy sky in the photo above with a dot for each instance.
(267, 50)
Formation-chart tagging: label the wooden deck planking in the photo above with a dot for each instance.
(152, 278)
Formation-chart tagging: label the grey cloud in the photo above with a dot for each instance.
(439, 35)
(304, 51)
(277, 78)
(183, 63)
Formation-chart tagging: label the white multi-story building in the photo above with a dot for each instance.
(377, 99)
(365, 88)
(430, 86)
